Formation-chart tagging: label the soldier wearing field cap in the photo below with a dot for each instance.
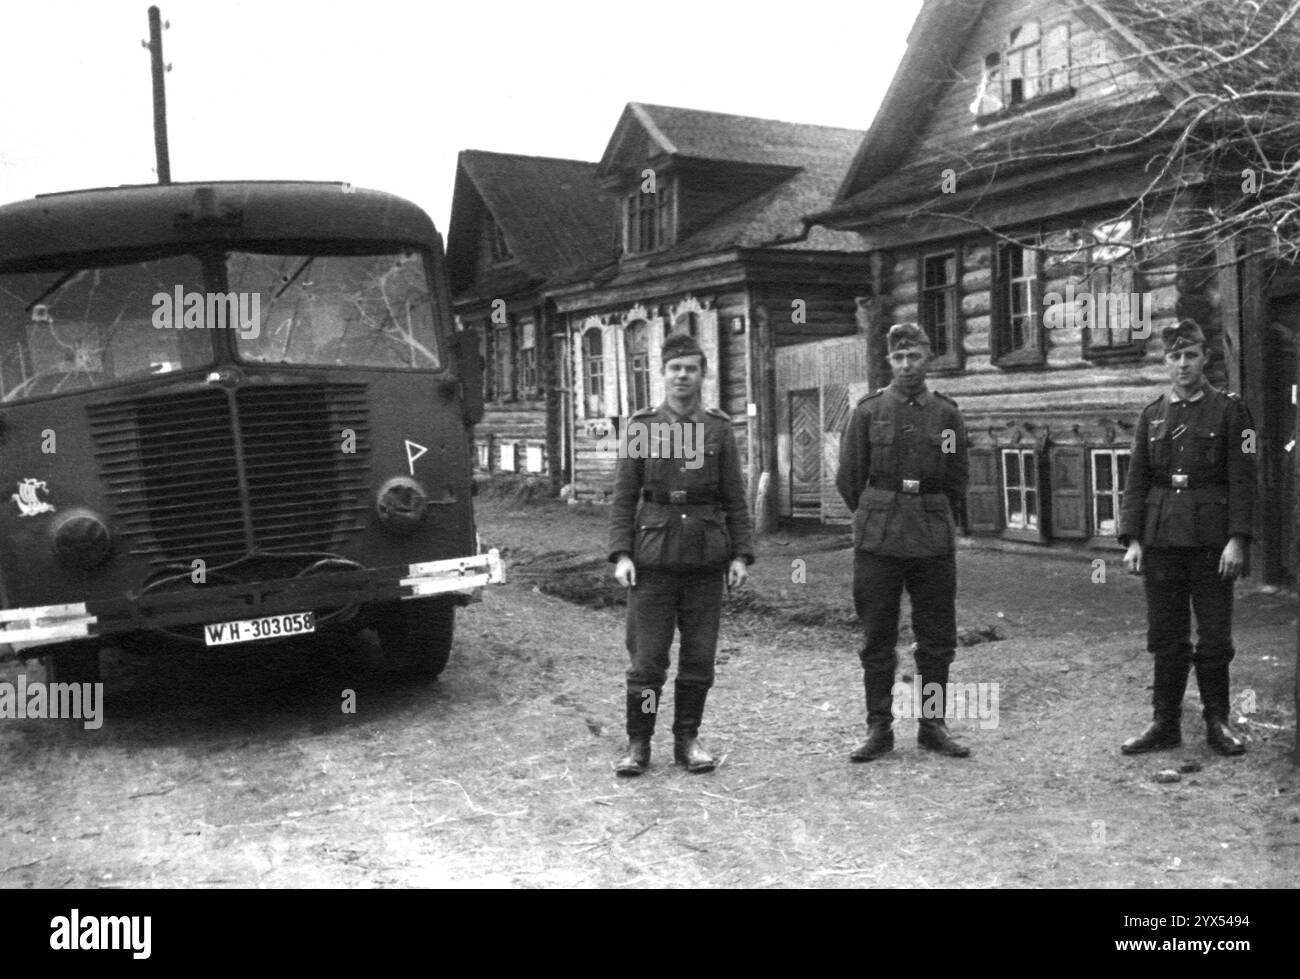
(903, 470)
(1186, 523)
(679, 525)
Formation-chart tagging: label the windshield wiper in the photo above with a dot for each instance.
(290, 281)
(58, 284)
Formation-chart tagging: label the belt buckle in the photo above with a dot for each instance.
(677, 496)
(911, 486)
(1179, 480)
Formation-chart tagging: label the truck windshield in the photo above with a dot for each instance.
(354, 310)
(79, 328)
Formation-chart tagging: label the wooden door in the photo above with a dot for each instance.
(805, 453)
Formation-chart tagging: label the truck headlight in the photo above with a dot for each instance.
(81, 538)
(401, 504)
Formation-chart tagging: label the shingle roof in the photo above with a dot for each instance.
(553, 213)
(817, 158)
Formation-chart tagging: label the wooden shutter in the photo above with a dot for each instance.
(983, 492)
(1069, 501)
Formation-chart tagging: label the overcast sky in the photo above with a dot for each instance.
(384, 93)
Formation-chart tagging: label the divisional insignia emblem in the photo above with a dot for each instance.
(29, 504)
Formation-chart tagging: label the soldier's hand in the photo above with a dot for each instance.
(1133, 558)
(625, 572)
(738, 573)
(1233, 560)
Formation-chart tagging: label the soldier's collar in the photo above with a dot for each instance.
(1175, 399)
(697, 415)
(922, 397)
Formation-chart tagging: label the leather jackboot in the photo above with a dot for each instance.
(688, 701)
(1166, 729)
(1213, 683)
(880, 719)
(932, 732)
(642, 706)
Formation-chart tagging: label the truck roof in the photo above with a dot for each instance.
(154, 215)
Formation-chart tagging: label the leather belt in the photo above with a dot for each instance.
(1183, 481)
(680, 496)
(919, 486)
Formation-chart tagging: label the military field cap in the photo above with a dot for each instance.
(903, 336)
(679, 345)
(1185, 333)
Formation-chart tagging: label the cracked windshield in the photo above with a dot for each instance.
(354, 310)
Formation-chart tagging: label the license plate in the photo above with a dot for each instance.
(267, 627)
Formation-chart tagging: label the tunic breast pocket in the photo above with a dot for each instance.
(710, 462)
(882, 447)
(1209, 447)
(1158, 451)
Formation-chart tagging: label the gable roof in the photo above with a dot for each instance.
(553, 213)
(805, 164)
(1172, 43)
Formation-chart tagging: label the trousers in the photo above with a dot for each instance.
(1179, 581)
(661, 604)
(931, 584)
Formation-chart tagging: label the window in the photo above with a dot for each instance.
(1115, 306)
(502, 380)
(483, 455)
(593, 372)
(687, 323)
(1109, 476)
(637, 338)
(528, 357)
(939, 304)
(1017, 334)
(1030, 67)
(649, 218)
(497, 245)
(1020, 488)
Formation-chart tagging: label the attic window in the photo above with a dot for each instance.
(650, 218)
(1031, 70)
(497, 245)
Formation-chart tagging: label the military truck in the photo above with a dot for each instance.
(231, 413)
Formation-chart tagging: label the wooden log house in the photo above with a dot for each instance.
(516, 222)
(976, 202)
(712, 241)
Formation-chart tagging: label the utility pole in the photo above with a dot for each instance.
(154, 45)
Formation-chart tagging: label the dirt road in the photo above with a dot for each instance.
(242, 768)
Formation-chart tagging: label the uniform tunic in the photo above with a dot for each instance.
(904, 539)
(1191, 486)
(681, 539)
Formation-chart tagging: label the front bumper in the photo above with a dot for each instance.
(193, 606)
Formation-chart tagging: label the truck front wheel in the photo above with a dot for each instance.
(416, 635)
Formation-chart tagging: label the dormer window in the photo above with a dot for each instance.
(1031, 70)
(497, 246)
(650, 217)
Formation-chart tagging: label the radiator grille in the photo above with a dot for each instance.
(179, 489)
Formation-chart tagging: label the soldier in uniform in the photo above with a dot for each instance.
(903, 469)
(1186, 522)
(679, 524)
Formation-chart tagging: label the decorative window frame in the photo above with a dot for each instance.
(1028, 483)
(1111, 251)
(650, 228)
(1115, 494)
